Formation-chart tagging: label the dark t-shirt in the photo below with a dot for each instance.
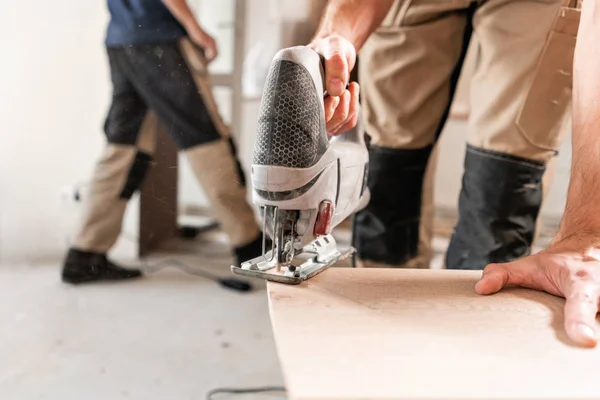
(141, 22)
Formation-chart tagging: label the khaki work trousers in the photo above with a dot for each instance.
(180, 100)
(520, 91)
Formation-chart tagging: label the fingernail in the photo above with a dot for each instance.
(586, 331)
(336, 86)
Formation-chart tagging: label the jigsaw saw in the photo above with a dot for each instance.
(303, 182)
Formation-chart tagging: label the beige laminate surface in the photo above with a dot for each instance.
(351, 334)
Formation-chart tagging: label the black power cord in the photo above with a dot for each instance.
(239, 285)
(264, 389)
(229, 283)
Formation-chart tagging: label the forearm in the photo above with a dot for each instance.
(182, 12)
(583, 201)
(354, 20)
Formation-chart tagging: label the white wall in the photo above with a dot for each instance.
(54, 91)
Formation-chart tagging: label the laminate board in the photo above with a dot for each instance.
(374, 334)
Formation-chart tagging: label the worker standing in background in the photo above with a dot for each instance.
(158, 56)
(411, 57)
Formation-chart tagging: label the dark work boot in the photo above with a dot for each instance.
(83, 266)
(498, 207)
(387, 230)
(250, 251)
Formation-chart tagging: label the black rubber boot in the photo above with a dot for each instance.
(83, 266)
(498, 207)
(251, 250)
(387, 230)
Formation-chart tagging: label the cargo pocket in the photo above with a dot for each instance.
(549, 97)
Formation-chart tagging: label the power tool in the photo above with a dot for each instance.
(304, 182)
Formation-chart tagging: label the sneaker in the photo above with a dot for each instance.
(84, 266)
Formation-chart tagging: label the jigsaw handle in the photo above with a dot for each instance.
(291, 121)
(355, 134)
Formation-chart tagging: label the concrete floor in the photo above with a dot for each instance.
(170, 335)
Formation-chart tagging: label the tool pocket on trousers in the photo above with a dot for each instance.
(194, 56)
(549, 96)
